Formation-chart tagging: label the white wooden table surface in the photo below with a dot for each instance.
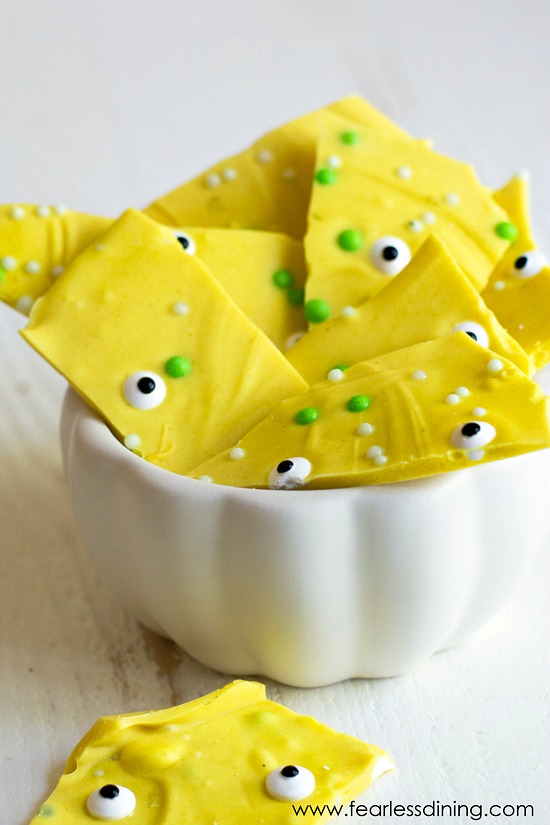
(109, 104)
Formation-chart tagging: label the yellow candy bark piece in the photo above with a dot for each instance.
(518, 291)
(147, 336)
(209, 761)
(268, 185)
(430, 298)
(377, 208)
(430, 408)
(36, 244)
(264, 273)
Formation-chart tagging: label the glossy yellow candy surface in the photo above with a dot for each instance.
(268, 185)
(518, 291)
(147, 336)
(208, 762)
(379, 205)
(36, 244)
(430, 298)
(394, 418)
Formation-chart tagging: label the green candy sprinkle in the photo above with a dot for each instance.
(296, 297)
(317, 311)
(2, 273)
(46, 810)
(178, 366)
(350, 240)
(342, 367)
(358, 403)
(506, 230)
(283, 279)
(326, 176)
(350, 138)
(307, 416)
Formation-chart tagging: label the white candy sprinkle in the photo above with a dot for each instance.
(57, 271)
(60, 209)
(429, 218)
(132, 441)
(334, 162)
(335, 374)
(475, 455)
(494, 365)
(462, 391)
(100, 247)
(8, 263)
(43, 211)
(380, 460)
(294, 338)
(418, 375)
(32, 267)
(452, 398)
(452, 199)
(264, 156)
(289, 174)
(16, 213)
(404, 172)
(170, 727)
(24, 304)
(207, 479)
(415, 226)
(229, 174)
(212, 181)
(498, 286)
(347, 312)
(99, 772)
(479, 412)
(521, 326)
(237, 453)
(365, 429)
(375, 451)
(180, 308)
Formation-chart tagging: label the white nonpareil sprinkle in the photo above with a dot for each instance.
(462, 391)
(347, 312)
(237, 453)
(8, 263)
(365, 429)
(229, 174)
(335, 374)
(375, 451)
(418, 375)
(100, 247)
(16, 213)
(334, 162)
(43, 211)
(452, 199)
(289, 174)
(294, 338)
(415, 226)
(429, 218)
(264, 156)
(380, 460)
(212, 181)
(57, 271)
(494, 365)
(60, 209)
(99, 772)
(404, 172)
(452, 398)
(32, 267)
(207, 479)
(479, 412)
(180, 308)
(24, 304)
(132, 441)
(498, 286)
(475, 455)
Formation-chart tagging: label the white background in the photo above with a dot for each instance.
(104, 105)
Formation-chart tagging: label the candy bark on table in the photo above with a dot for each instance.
(430, 298)
(37, 242)
(430, 408)
(368, 216)
(268, 185)
(518, 291)
(147, 336)
(214, 759)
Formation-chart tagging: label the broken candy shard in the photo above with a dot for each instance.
(231, 757)
(268, 185)
(430, 298)
(145, 334)
(430, 408)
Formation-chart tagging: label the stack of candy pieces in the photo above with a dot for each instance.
(227, 329)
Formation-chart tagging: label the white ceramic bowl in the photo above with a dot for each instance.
(306, 587)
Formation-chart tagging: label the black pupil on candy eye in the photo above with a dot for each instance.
(285, 466)
(183, 241)
(290, 771)
(521, 262)
(470, 429)
(109, 792)
(390, 253)
(146, 385)
(471, 334)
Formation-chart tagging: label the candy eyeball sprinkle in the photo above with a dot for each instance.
(111, 802)
(289, 474)
(476, 332)
(472, 435)
(390, 255)
(290, 783)
(144, 390)
(529, 264)
(187, 242)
